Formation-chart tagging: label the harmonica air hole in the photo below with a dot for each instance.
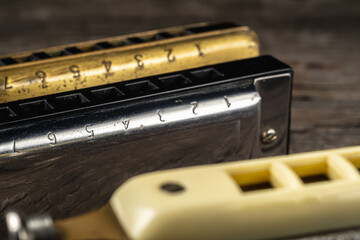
(354, 159)
(251, 181)
(174, 81)
(256, 187)
(6, 114)
(72, 100)
(208, 74)
(134, 40)
(142, 87)
(109, 93)
(39, 56)
(36, 107)
(7, 61)
(103, 45)
(172, 188)
(315, 172)
(315, 178)
(71, 51)
(212, 27)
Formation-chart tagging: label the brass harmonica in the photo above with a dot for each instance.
(78, 66)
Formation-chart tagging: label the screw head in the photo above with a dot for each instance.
(38, 227)
(16, 226)
(269, 136)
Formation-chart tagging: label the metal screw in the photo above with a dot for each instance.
(38, 227)
(16, 226)
(269, 136)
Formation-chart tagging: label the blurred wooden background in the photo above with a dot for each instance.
(320, 39)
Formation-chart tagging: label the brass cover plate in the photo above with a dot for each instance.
(78, 66)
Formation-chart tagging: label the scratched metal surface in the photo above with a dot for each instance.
(319, 39)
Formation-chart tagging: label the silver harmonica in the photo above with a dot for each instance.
(57, 151)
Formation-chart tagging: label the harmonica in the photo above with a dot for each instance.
(59, 150)
(271, 198)
(83, 65)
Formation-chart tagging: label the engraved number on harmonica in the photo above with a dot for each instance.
(138, 58)
(126, 123)
(228, 104)
(200, 52)
(75, 70)
(195, 105)
(159, 112)
(42, 76)
(170, 57)
(6, 84)
(52, 137)
(107, 65)
(87, 126)
(14, 147)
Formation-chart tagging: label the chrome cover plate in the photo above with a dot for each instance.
(68, 158)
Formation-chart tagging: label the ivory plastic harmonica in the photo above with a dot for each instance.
(61, 150)
(77, 66)
(268, 198)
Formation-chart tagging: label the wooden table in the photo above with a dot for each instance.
(319, 39)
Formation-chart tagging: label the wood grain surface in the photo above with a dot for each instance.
(320, 39)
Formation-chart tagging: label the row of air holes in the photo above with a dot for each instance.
(75, 50)
(106, 94)
(107, 45)
(309, 171)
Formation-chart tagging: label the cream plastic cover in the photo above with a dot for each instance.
(254, 199)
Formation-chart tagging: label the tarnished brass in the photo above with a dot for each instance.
(28, 79)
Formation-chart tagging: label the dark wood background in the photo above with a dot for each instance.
(320, 39)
